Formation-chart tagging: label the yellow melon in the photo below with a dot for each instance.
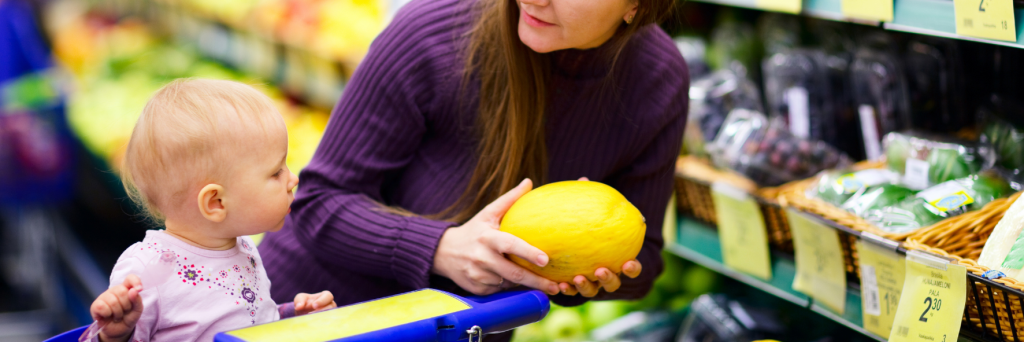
(581, 225)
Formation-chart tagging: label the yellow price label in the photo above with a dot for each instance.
(819, 261)
(786, 6)
(882, 271)
(992, 19)
(880, 10)
(741, 231)
(932, 304)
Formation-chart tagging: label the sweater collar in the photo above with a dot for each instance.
(589, 63)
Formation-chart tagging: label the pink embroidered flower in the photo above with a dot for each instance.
(236, 268)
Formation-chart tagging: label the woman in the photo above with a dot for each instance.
(459, 101)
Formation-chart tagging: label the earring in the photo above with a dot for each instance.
(629, 19)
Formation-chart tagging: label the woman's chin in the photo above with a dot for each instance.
(534, 40)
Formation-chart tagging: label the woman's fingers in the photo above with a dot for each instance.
(505, 243)
(494, 211)
(584, 179)
(516, 274)
(567, 289)
(632, 268)
(607, 280)
(586, 287)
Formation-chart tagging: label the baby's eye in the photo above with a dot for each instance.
(278, 173)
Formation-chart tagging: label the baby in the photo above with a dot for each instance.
(207, 158)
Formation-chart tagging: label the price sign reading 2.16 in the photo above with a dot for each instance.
(992, 19)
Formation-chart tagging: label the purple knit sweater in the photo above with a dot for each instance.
(396, 137)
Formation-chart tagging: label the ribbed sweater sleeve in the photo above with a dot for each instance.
(373, 133)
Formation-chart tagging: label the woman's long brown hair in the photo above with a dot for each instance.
(513, 100)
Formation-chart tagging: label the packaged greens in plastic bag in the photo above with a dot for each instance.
(711, 100)
(941, 201)
(876, 197)
(925, 161)
(836, 187)
(1008, 143)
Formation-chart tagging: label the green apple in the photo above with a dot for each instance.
(698, 280)
(529, 333)
(564, 325)
(599, 313)
(680, 302)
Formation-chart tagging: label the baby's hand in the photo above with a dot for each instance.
(119, 308)
(307, 303)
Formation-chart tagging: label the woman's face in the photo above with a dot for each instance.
(550, 25)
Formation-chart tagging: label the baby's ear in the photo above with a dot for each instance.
(211, 203)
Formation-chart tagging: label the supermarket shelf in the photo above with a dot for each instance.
(936, 18)
(926, 17)
(822, 9)
(699, 243)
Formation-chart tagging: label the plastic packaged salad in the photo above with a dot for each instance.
(925, 161)
(836, 187)
(711, 100)
(938, 202)
(1008, 143)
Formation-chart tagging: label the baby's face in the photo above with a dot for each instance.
(263, 188)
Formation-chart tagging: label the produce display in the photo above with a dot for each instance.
(339, 29)
(711, 100)
(118, 64)
(767, 152)
(836, 187)
(933, 204)
(925, 161)
(580, 225)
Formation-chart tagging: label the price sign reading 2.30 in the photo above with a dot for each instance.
(932, 302)
(992, 19)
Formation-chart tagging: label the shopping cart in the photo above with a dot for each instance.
(424, 315)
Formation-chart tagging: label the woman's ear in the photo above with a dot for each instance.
(212, 203)
(631, 13)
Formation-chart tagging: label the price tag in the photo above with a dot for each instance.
(787, 6)
(741, 231)
(992, 19)
(819, 261)
(932, 305)
(880, 10)
(882, 272)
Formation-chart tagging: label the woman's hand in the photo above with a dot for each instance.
(607, 280)
(308, 303)
(118, 309)
(473, 255)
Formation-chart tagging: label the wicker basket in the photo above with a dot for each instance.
(794, 195)
(962, 238)
(694, 177)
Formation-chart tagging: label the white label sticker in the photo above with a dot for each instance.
(868, 282)
(853, 182)
(916, 174)
(799, 116)
(942, 190)
(869, 130)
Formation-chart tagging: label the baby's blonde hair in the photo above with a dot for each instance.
(181, 135)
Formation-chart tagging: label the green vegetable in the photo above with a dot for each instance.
(897, 148)
(1008, 142)
(949, 164)
(916, 211)
(877, 197)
